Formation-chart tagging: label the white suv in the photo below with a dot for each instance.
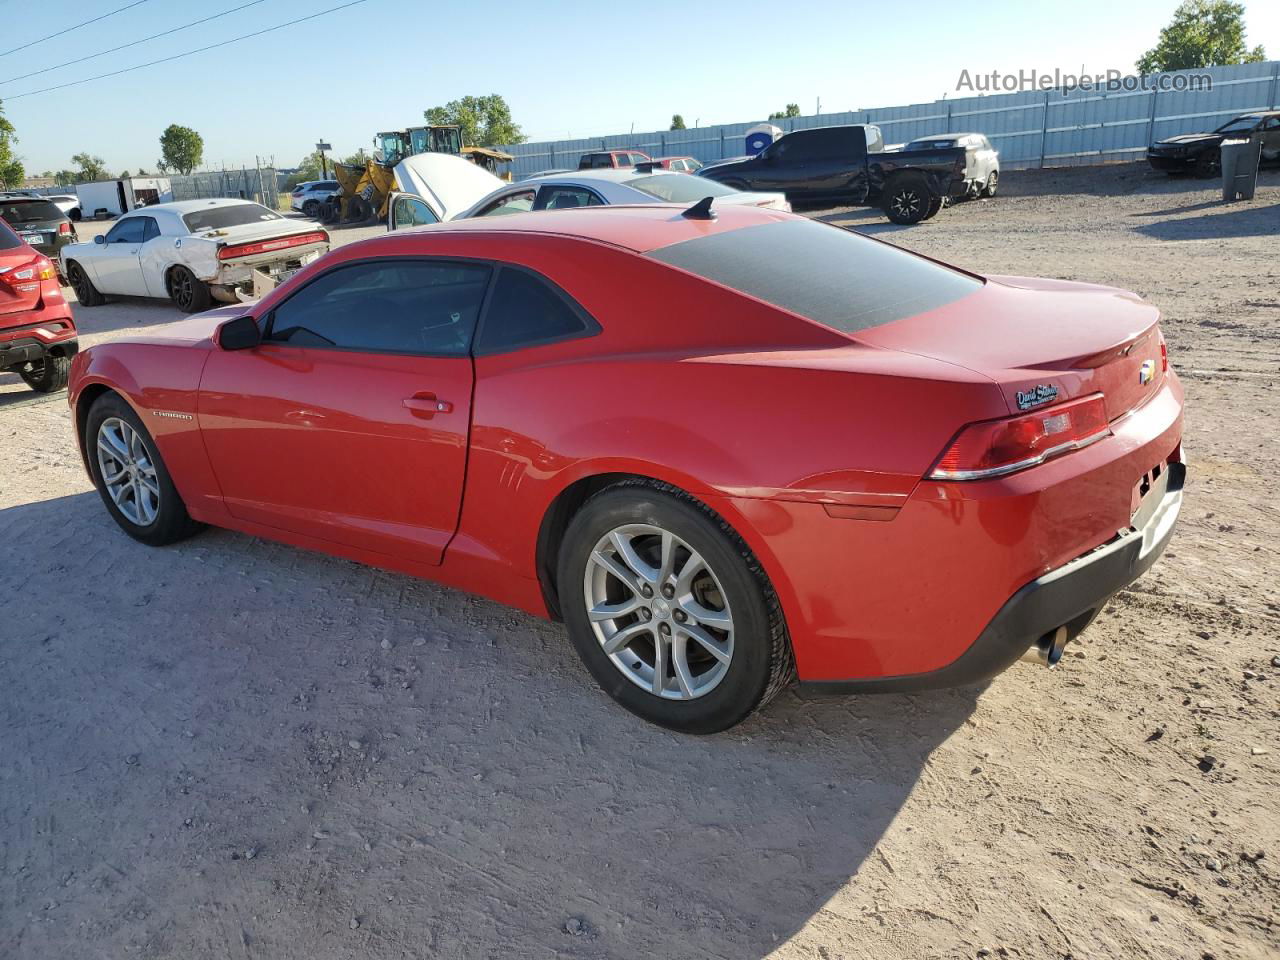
(308, 195)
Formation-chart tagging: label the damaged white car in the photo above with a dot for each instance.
(193, 252)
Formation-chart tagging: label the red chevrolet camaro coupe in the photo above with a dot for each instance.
(724, 449)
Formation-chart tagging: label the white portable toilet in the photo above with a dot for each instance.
(760, 136)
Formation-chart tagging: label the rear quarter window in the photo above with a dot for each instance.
(833, 276)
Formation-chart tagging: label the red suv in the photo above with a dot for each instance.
(37, 332)
(612, 159)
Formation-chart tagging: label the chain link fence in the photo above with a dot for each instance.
(248, 183)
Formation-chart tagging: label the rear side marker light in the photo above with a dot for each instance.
(994, 448)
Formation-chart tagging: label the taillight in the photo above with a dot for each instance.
(996, 447)
(234, 250)
(1164, 355)
(64, 227)
(41, 268)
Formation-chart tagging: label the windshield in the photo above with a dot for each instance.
(28, 211)
(236, 215)
(1239, 125)
(679, 187)
(831, 275)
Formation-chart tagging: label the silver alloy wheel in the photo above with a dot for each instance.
(659, 611)
(128, 471)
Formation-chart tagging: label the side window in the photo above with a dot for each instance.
(562, 198)
(151, 230)
(601, 160)
(524, 310)
(131, 230)
(386, 306)
(413, 212)
(521, 202)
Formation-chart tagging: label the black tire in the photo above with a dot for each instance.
(906, 198)
(47, 374)
(86, 292)
(934, 206)
(358, 210)
(75, 214)
(311, 208)
(1208, 165)
(188, 292)
(761, 664)
(992, 185)
(172, 522)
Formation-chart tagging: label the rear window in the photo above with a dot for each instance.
(679, 187)
(238, 214)
(28, 211)
(831, 275)
(8, 239)
(930, 144)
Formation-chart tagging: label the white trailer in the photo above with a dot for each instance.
(111, 198)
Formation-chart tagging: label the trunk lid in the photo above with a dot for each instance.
(1042, 341)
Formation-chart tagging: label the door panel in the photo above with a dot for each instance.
(323, 443)
(115, 263)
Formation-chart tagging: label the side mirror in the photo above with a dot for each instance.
(100, 238)
(242, 333)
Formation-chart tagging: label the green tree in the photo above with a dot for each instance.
(792, 110)
(1202, 33)
(181, 148)
(356, 159)
(677, 122)
(11, 171)
(125, 175)
(91, 168)
(66, 177)
(485, 121)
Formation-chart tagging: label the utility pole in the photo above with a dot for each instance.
(324, 168)
(818, 108)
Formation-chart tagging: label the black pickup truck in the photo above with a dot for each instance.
(848, 164)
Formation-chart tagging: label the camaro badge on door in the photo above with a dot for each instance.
(1041, 393)
(1146, 372)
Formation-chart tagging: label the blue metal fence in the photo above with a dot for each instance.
(1031, 129)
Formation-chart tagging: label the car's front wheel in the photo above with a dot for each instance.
(1208, 164)
(188, 292)
(669, 609)
(992, 185)
(86, 292)
(131, 477)
(311, 208)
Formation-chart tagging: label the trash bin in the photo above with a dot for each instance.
(1240, 159)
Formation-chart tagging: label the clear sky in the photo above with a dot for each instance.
(568, 69)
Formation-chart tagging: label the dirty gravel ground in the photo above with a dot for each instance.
(231, 748)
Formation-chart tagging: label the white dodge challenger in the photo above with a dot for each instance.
(191, 251)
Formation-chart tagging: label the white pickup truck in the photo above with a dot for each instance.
(191, 251)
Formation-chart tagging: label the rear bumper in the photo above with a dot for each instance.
(46, 331)
(1069, 596)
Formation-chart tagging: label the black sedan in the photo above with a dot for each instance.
(39, 222)
(1201, 153)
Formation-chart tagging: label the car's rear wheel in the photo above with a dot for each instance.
(669, 609)
(131, 476)
(86, 292)
(47, 374)
(310, 208)
(75, 214)
(188, 292)
(992, 185)
(906, 199)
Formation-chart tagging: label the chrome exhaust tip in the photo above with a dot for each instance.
(1048, 649)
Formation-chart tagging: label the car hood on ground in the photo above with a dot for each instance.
(451, 185)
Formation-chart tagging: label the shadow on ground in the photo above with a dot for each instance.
(434, 766)
(1243, 219)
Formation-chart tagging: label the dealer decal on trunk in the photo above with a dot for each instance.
(1041, 393)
